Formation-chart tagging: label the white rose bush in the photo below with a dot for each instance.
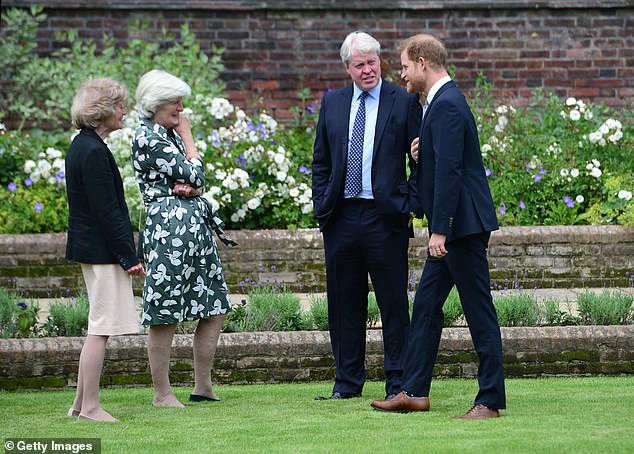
(256, 172)
(557, 161)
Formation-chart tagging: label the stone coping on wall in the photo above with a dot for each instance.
(276, 357)
(241, 5)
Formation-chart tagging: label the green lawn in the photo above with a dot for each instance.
(558, 415)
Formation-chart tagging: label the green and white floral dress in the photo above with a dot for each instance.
(184, 279)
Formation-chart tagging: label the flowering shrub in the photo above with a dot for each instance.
(252, 180)
(556, 162)
(553, 162)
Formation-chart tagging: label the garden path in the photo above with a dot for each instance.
(567, 298)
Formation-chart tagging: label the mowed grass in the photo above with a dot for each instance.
(558, 415)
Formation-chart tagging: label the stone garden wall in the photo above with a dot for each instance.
(272, 49)
(543, 257)
(266, 357)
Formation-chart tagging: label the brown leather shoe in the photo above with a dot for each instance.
(402, 403)
(479, 411)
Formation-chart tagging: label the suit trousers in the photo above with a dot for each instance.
(358, 242)
(466, 267)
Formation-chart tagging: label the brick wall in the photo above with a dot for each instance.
(582, 48)
(267, 357)
(544, 257)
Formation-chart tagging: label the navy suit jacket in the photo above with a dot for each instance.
(99, 230)
(397, 124)
(449, 185)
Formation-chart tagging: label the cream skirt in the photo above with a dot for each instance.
(112, 307)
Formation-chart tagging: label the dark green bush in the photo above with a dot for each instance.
(18, 317)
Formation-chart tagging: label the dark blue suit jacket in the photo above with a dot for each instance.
(99, 230)
(449, 185)
(398, 122)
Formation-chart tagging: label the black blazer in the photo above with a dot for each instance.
(99, 229)
(450, 185)
(397, 124)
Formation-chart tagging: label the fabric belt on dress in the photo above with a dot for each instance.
(212, 220)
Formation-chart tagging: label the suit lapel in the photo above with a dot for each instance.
(444, 88)
(386, 102)
(342, 110)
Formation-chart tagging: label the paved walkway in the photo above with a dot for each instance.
(567, 297)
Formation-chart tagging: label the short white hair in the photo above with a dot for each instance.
(157, 88)
(360, 41)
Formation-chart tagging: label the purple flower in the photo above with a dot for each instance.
(488, 173)
(537, 177)
(303, 169)
(569, 202)
(529, 168)
(502, 209)
(60, 175)
(273, 268)
(311, 109)
(542, 171)
(522, 205)
(12, 186)
(38, 207)
(28, 182)
(22, 304)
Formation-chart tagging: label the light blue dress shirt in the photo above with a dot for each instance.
(371, 112)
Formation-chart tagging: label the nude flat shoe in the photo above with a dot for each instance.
(88, 418)
(72, 412)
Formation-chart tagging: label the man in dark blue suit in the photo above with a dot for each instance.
(449, 186)
(361, 201)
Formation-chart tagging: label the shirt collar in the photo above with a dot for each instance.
(436, 87)
(374, 92)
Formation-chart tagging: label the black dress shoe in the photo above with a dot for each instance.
(199, 398)
(337, 395)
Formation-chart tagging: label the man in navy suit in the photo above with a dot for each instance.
(361, 201)
(449, 186)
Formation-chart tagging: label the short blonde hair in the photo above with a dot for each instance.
(96, 101)
(426, 46)
(360, 41)
(157, 88)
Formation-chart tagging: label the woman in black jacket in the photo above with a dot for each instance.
(99, 234)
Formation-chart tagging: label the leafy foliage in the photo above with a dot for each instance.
(608, 308)
(18, 317)
(69, 318)
(552, 162)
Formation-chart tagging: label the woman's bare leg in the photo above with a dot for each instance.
(88, 377)
(205, 343)
(159, 349)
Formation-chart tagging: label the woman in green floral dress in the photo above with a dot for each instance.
(184, 275)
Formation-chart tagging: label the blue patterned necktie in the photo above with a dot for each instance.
(355, 152)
